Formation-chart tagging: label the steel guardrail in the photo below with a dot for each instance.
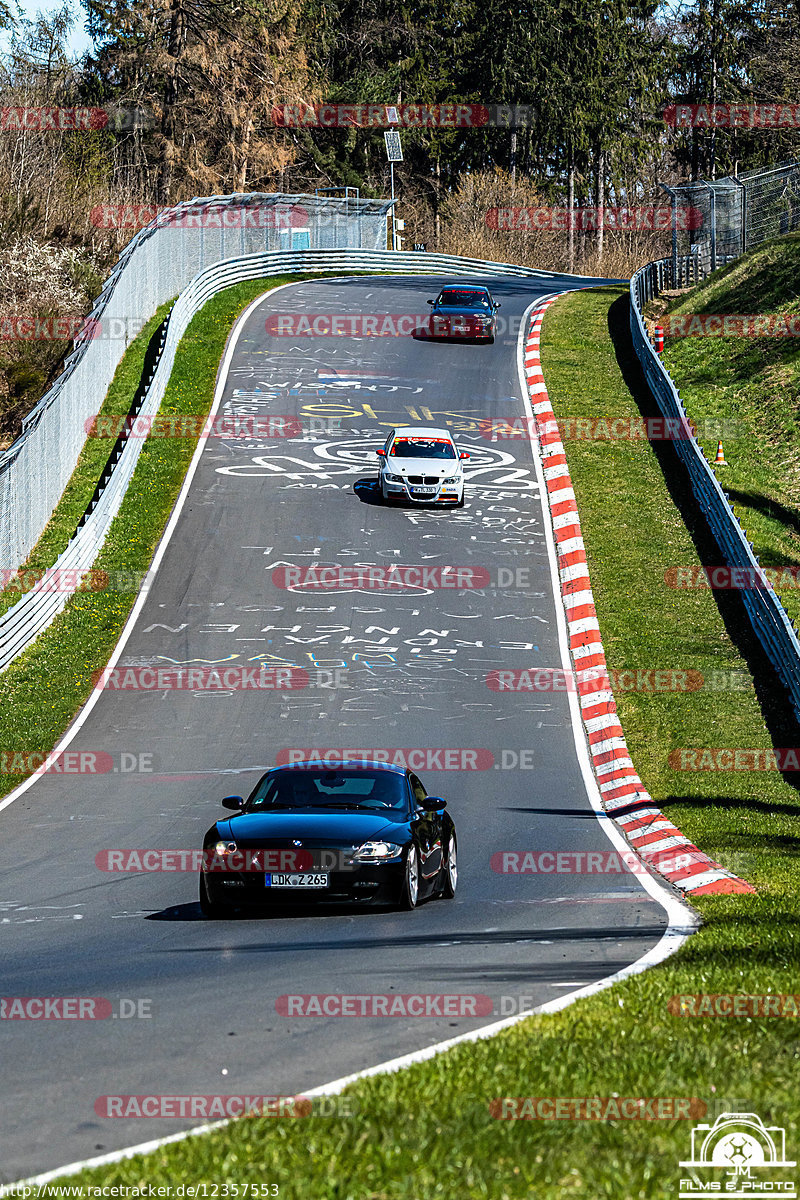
(769, 619)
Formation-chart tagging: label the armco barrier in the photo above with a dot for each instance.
(767, 615)
(36, 609)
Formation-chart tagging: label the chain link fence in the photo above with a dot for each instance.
(159, 261)
(717, 220)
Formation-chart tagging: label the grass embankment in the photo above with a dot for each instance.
(751, 386)
(427, 1132)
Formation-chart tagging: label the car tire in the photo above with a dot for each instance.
(387, 499)
(409, 892)
(212, 909)
(450, 868)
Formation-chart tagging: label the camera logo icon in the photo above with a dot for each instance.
(737, 1143)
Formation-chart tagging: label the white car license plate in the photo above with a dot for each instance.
(296, 879)
(423, 491)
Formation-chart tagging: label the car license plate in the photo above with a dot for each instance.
(423, 491)
(296, 879)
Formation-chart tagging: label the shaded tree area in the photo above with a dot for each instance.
(595, 78)
(207, 75)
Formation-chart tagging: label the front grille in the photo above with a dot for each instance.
(424, 479)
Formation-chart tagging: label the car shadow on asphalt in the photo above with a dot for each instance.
(647, 931)
(193, 912)
(369, 492)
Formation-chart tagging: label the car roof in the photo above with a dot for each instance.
(350, 764)
(422, 431)
(465, 287)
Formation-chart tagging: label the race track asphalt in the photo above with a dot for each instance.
(412, 669)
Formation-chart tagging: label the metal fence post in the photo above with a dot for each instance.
(713, 215)
(743, 210)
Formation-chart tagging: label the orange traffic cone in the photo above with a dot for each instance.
(719, 461)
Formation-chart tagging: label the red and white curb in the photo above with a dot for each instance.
(652, 835)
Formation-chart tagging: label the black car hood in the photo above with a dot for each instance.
(315, 827)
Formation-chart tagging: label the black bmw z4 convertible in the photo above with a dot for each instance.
(310, 832)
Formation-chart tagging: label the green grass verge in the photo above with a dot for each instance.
(753, 386)
(427, 1132)
(42, 690)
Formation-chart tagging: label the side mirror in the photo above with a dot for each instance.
(381, 453)
(433, 803)
(234, 802)
(497, 304)
(462, 454)
(430, 301)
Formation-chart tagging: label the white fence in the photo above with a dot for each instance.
(160, 260)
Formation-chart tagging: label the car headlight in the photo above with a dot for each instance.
(377, 852)
(393, 478)
(452, 479)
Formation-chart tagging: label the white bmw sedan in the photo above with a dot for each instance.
(421, 464)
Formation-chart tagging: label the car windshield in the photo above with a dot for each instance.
(422, 448)
(309, 787)
(462, 298)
